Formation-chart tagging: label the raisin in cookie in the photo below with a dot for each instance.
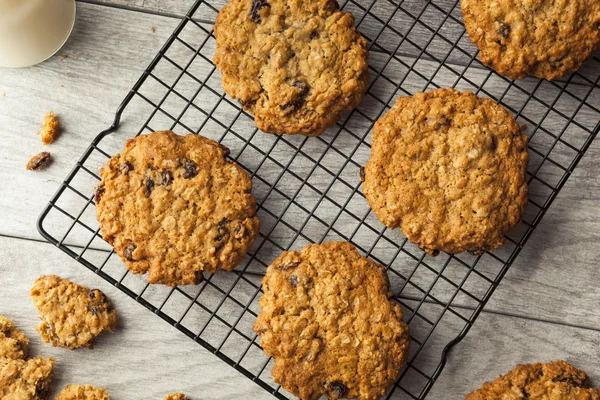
(173, 206)
(329, 321)
(295, 65)
(25, 379)
(13, 342)
(448, 168)
(72, 315)
(83, 392)
(553, 381)
(545, 38)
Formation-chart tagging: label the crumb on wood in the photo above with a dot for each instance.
(49, 128)
(523, 127)
(153, 29)
(39, 161)
(64, 57)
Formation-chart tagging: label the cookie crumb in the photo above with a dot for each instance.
(13, 342)
(50, 128)
(176, 396)
(64, 57)
(152, 29)
(3, 94)
(83, 392)
(523, 127)
(39, 161)
(26, 379)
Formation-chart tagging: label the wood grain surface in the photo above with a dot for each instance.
(544, 309)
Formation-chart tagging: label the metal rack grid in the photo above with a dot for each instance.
(308, 188)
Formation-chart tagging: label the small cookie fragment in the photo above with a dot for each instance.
(13, 342)
(555, 380)
(331, 324)
(25, 380)
(176, 396)
(39, 161)
(73, 315)
(50, 127)
(296, 66)
(448, 168)
(544, 38)
(173, 207)
(82, 392)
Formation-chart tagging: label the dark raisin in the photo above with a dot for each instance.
(494, 143)
(92, 294)
(239, 231)
(262, 331)
(293, 281)
(39, 161)
(167, 177)
(435, 253)
(335, 389)
(94, 310)
(129, 251)
(570, 380)
(191, 168)
(225, 149)
(478, 250)
(361, 174)
(504, 30)
(246, 104)
(257, 5)
(289, 265)
(315, 35)
(126, 167)
(98, 191)
(222, 232)
(300, 96)
(148, 186)
(443, 121)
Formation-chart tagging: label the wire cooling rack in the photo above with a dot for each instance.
(308, 189)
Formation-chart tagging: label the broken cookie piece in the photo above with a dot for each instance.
(25, 380)
(73, 315)
(13, 342)
(83, 392)
(50, 128)
(39, 161)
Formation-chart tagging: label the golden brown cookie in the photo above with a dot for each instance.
(176, 396)
(448, 168)
(295, 65)
(82, 392)
(25, 380)
(544, 38)
(553, 381)
(13, 342)
(329, 321)
(72, 315)
(173, 206)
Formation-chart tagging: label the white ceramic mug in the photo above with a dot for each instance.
(33, 30)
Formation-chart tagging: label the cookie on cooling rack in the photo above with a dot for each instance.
(448, 168)
(25, 379)
(173, 206)
(72, 315)
(83, 392)
(295, 65)
(555, 380)
(13, 342)
(329, 321)
(547, 39)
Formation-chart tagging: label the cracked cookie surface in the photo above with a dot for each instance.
(544, 38)
(448, 168)
(25, 379)
(295, 65)
(83, 392)
(173, 206)
(13, 342)
(329, 321)
(552, 381)
(72, 315)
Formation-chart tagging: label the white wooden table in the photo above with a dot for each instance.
(545, 309)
